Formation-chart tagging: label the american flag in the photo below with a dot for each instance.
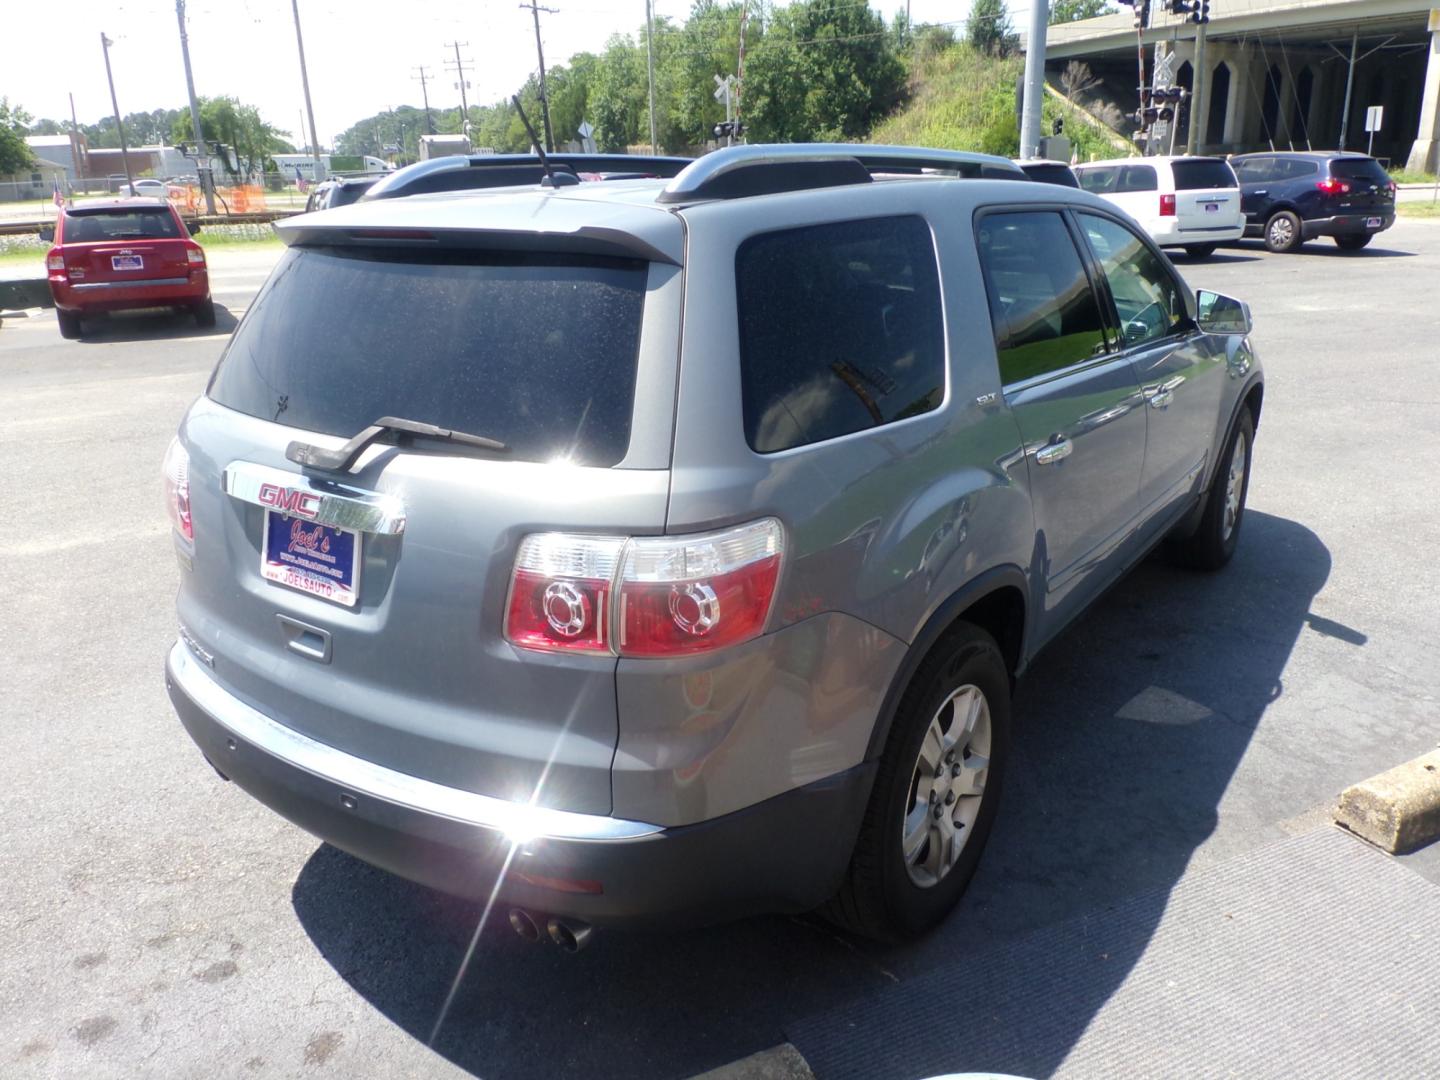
(300, 181)
(59, 195)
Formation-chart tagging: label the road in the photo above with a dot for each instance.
(157, 922)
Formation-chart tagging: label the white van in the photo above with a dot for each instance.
(1189, 202)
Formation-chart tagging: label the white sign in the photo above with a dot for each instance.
(723, 88)
(1374, 117)
(586, 133)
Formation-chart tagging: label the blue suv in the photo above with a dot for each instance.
(1292, 197)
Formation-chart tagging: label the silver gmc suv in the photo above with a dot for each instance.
(666, 550)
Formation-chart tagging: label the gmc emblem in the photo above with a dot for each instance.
(305, 504)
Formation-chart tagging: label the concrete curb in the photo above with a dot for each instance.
(18, 293)
(781, 1062)
(1397, 811)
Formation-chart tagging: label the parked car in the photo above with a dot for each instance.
(147, 188)
(131, 253)
(1048, 172)
(1292, 197)
(332, 193)
(672, 557)
(1185, 202)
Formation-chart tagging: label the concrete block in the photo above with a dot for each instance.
(1397, 811)
(781, 1062)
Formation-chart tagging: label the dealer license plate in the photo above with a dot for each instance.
(1212, 208)
(1372, 222)
(126, 262)
(316, 559)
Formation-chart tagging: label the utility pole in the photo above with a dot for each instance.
(207, 180)
(650, 65)
(458, 67)
(77, 153)
(535, 10)
(105, 44)
(1034, 80)
(1199, 93)
(739, 90)
(425, 94)
(305, 85)
(1349, 86)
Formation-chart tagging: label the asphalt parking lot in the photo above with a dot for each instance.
(157, 922)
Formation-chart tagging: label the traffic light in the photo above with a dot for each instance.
(1058, 126)
(1179, 7)
(1199, 11)
(728, 127)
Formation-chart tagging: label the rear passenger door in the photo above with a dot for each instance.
(1181, 374)
(1076, 400)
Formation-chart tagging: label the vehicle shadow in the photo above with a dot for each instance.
(153, 324)
(1127, 733)
(1219, 258)
(1326, 248)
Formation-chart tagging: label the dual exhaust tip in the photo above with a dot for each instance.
(572, 935)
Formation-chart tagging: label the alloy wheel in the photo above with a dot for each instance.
(946, 786)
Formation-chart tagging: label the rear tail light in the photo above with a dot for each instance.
(54, 261)
(1391, 188)
(1333, 187)
(195, 255)
(644, 596)
(177, 488)
(1167, 205)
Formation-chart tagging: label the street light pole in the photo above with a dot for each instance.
(1034, 80)
(207, 178)
(305, 85)
(650, 66)
(105, 44)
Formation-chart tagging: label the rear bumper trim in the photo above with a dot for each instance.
(89, 286)
(517, 821)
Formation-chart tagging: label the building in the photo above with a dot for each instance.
(1280, 74)
(67, 151)
(36, 182)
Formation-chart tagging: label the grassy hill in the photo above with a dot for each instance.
(962, 99)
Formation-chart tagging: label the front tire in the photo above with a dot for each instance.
(1200, 251)
(935, 794)
(69, 322)
(1213, 544)
(1352, 243)
(1283, 233)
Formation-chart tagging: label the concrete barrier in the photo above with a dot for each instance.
(25, 293)
(1397, 811)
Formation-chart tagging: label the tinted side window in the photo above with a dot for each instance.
(840, 330)
(1138, 178)
(1146, 296)
(1100, 181)
(1298, 167)
(1044, 310)
(1254, 170)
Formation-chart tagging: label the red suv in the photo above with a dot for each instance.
(135, 253)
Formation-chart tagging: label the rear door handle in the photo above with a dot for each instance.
(1055, 451)
(1262, 191)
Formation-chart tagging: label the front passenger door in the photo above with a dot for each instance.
(1180, 371)
(1075, 399)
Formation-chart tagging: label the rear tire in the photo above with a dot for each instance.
(204, 313)
(1213, 544)
(887, 895)
(1200, 251)
(1352, 243)
(1282, 232)
(69, 324)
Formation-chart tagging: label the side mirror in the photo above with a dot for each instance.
(1218, 314)
(47, 233)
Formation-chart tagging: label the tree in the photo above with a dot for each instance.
(239, 127)
(988, 28)
(1063, 11)
(15, 155)
(1077, 78)
(821, 71)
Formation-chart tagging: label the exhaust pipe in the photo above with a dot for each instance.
(570, 934)
(524, 924)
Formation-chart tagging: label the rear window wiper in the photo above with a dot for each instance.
(317, 457)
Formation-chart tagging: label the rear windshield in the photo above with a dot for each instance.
(1203, 173)
(1051, 174)
(1359, 168)
(128, 223)
(539, 353)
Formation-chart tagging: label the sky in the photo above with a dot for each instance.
(360, 54)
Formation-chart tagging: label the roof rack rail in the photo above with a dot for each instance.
(740, 171)
(472, 172)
